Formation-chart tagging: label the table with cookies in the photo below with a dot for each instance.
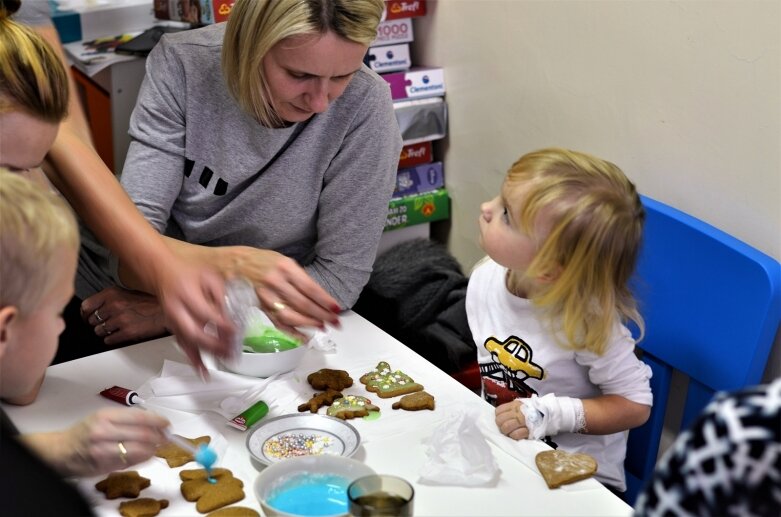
(367, 397)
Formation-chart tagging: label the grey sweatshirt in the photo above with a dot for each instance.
(192, 169)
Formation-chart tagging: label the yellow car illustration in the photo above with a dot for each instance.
(515, 355)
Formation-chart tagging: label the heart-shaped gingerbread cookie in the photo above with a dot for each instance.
(561, 467)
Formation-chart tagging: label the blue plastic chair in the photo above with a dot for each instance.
(712, 306)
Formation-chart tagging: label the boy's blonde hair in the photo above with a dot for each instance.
(255, 26)
(34, 226)
(592, 247)
(32, 78)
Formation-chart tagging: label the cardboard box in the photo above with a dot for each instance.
(417, 209)
(94, 21)
(196, 12)
(415, 154)
(395, 9)
(389, 58)
(421, 120)
(416, 83)
(392, 32)
(416, 180)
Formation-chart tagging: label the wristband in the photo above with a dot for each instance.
(550, 415)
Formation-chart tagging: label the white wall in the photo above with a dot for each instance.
(683, 95)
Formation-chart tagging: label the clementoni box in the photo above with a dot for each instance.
(389, 58)
(416, 83)
(417, 209)
(392, 32)
(415, 154)
(416, 180)
(395, 9)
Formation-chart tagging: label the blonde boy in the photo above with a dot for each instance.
(39, 244)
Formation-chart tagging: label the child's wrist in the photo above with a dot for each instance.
(550, 415)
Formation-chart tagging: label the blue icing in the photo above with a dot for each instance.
(312, 495)
(206, 456)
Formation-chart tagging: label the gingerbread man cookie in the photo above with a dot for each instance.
(175, 455)
(319, 400)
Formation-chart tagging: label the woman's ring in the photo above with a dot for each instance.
(122, 452)
(97, 316)
(107, 331)
(278, 306)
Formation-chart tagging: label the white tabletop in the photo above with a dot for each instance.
(392, 444)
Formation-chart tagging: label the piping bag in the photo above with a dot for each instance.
(203, 454)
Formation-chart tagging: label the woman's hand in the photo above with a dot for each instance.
(287, 293)
(511, 421)
(122, 316)
(107, 440)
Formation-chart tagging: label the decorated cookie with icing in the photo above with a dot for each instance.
(386, 383)
(351, 406)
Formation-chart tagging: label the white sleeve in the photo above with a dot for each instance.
(618, 371)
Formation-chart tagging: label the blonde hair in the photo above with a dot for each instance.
(32, 78)
(592, 247)
(34, 224)
(255, 26)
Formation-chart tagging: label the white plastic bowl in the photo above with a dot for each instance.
(282, 473)
(263, 365)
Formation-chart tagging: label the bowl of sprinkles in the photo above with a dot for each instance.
(292, 436)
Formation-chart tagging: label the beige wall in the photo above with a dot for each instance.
(683, 95)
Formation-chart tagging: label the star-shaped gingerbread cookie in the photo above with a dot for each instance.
(127, 483)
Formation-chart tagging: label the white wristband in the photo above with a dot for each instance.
(550, 415)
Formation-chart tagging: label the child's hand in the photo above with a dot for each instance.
(511, 421)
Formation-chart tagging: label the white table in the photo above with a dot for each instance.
(70, 392)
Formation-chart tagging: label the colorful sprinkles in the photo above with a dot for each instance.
(296, 444)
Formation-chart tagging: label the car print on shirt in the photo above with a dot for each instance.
(504, 378)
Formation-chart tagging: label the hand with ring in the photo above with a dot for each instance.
(122, 316)
(511, 421)
(107, 440)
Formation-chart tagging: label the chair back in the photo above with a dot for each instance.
(711, 305)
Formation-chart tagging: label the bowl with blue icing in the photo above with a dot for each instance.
(308, 486)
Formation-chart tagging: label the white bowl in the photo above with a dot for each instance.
(265, 364)
(292, 471)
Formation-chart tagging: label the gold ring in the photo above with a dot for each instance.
(122, 452)
(278, 306)
(97, 316)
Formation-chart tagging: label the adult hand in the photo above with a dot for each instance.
(107, 440)
(289, 296)
(122, 316)
(511, 421)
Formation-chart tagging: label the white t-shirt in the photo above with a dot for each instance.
(519, 356)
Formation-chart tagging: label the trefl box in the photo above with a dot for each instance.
(416, 82)
(392, 32)
(389, 58)
(415, 154)
(395, 9)
(416, 180)
(417, 209)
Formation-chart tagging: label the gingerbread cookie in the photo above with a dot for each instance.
(415, 402)
(351, 406)
(328, 379)
(386, 383)
(319, 400)
(127, 483)
(211, 496)
(561, 467)
(175, 455)
(144, 507)
(234, 511)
